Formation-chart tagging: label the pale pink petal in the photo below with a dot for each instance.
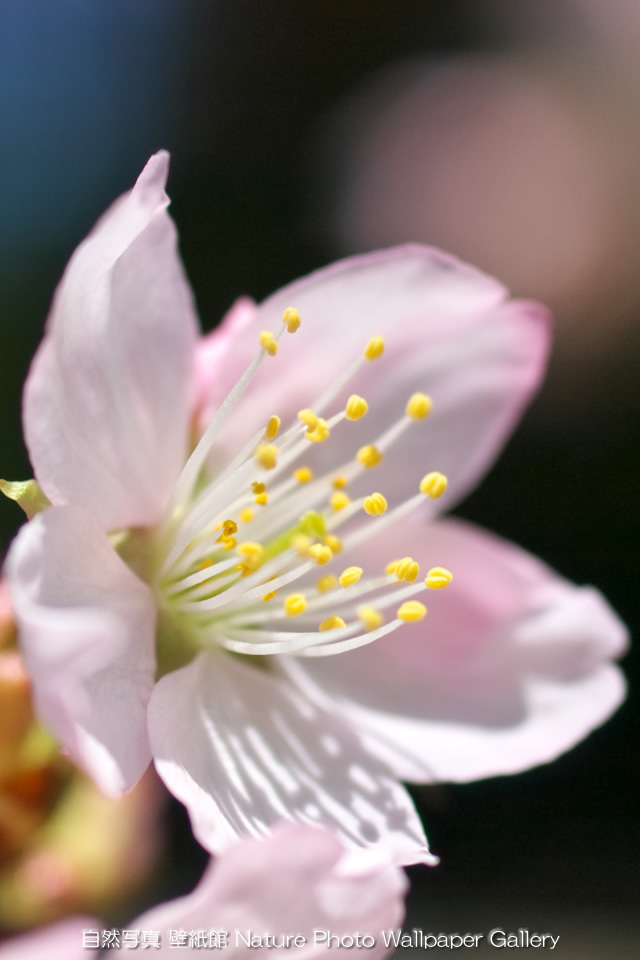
(86, 627)
(106, 403)
(292, 882)
(60, 941)
(216, 361)
(242, 750)
(450, 332)
(509, 669)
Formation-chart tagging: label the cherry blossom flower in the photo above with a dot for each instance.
(231, 514)
(318, 887)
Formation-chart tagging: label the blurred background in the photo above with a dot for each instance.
(505, 133)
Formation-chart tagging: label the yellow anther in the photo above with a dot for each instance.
(208, 562)
(374, 349)
(268, 342)
(412, 611)
(334, 543)
(339, 483)
(350, 576)
(339, 500)
(438, 578)
(433, 485)
(371, 618)
(228, 527)
(267, 456)
(292, 319)
(332, 623)
(328, 582)
(261, 499)
(319, 433)
(251, 552)
(391, 567)
(418, 406)
(369, 456)
(272, 428)
(303, 474)
(295, 604)
(258, 487)
(407, 569)
(308, 417)
(269, 596)
(356, 407)
(246, 515)
(228, 543)
(375, 505)
(320, 553)
(301, 543)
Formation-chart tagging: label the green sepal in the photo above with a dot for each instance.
(27, 494)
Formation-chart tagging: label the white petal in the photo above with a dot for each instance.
(86, 629)
(106, 403)
(509, 669)
(450, 331)
(243, 750)
(294, 881)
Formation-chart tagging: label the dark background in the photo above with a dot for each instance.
(265, 106)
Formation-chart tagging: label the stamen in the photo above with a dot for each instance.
(406, 569)
(339, 483)
(374, 349)
(267, 456)
(371, 618)
(375, 505)
(295, 604)
(328, 582)
(246, 515)
(319, 433)
(252, 554)
(292, 319)
(438, 578)
(334, 543)
(356, 407)
(350, 576)
(369, 457)
(308, 417)
(272, 428)
(331, 623)
(303, 474)
(268, 342)
(418, 406)
(320, 553)
(339, 500)
(433, 485)
(412, 611)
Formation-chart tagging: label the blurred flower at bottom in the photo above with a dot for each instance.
(296, 883)
(64, 847)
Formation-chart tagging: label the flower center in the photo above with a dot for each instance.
(239, 548)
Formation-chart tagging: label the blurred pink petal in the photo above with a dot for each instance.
(87, 632)
(113, 372)
(294, 882)
(60, 941)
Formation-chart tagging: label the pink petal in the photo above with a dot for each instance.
(60, 941)
(242, 750)
(509, 669)
(216, 361)
(450, 332)
(86, 627)
(106, 403)
(291, 882)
